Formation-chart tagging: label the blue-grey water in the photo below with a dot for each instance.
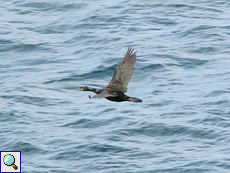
(182, 73)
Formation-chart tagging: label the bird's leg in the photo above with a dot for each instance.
(90, 97)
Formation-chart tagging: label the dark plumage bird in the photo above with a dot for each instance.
(115, 90)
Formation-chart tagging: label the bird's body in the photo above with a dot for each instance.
(115, 90)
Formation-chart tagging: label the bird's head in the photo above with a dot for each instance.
(86, 88)
(83, 88)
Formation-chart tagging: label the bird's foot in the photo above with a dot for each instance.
(90, 97)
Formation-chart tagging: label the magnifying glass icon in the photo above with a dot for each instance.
(9, 160)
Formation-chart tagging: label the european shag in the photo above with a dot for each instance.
(115, 90)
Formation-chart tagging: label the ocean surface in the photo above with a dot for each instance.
(182, 74)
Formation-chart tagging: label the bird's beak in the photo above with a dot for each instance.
(79, 89)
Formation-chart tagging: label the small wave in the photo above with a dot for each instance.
(154, 130)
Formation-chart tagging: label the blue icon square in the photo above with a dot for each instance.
(10, 161)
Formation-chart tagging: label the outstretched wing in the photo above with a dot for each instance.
(123, 72)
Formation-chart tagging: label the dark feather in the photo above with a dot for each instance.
(123, 72)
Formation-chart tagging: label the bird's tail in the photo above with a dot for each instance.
(133, 99)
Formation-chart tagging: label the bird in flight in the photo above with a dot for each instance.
(115, 90)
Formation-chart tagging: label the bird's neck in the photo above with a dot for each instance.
(92, 89)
